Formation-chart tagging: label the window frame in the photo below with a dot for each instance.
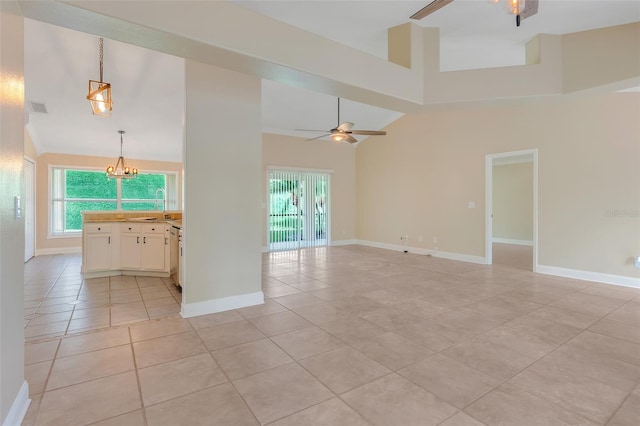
(171, 187)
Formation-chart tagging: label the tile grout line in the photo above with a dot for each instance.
(135, 368)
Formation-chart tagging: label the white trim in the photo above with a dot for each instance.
(416, 250)
(220, 305)
(590, 276)
(459, 257)
(489, 162)
(515, 242)
(344, 242)
(19, 407)
(299, 169)
(59, 250)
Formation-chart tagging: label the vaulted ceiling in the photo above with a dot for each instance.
(148, 87)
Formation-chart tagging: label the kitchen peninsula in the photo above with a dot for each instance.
(129, 243)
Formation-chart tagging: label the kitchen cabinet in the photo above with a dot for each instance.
(144, 247)
(155, 248)
(130, 250)
(126, 248)
(100, 252)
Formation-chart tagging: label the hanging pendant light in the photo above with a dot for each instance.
(121, 170)
(100, 92)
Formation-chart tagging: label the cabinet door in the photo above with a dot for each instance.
(153, 252)
(130, 250)
(97, 252)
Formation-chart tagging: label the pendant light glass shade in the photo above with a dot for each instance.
(121, 170)
(514, 7)
(100, 92)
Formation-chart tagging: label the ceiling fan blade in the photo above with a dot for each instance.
(530, 8)
(368, 132)
(317, 137)
(430, 8)
(351, 139)
(346, 126)
(310, 130)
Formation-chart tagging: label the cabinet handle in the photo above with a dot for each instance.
(153, 229)
(165, 241)
(144, 240)
(99, 229)
(129, 228)
(109, 240)
(137, 240)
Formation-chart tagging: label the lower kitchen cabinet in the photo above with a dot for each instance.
(155, 248)
(130, 245)
(126, 248)
(99, 248)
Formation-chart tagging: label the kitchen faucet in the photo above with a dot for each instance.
(164, 200)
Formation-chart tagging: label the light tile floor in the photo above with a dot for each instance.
(348, 336)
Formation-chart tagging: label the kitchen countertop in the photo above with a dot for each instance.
(173, 218)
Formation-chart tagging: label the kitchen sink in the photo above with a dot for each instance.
(143, 219)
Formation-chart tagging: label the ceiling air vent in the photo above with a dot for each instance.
(38, 107)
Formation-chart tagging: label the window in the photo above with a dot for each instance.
(75, 190)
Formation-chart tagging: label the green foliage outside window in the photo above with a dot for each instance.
(86, 190)
(142, 188)
(89, 184)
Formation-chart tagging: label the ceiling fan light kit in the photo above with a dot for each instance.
(99, 96)
(343, 131)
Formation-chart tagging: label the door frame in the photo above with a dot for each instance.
(489, 159)
(29, 208)
(267, 204)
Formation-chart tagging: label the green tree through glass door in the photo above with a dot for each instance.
(298, 209)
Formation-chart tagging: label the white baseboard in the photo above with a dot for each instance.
(423, 251)
(515, 242)
(461, 257)
(220, 305)
(589, 276)
(60, 250)
(343, 242)
(19, 407)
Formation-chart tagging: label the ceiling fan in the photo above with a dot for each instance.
(343, 131)
(520, 8)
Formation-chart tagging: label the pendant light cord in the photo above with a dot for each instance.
(101, 56)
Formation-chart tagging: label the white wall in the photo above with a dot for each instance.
(419, 179)
(13, 388)
(513, 202)
(222, 187)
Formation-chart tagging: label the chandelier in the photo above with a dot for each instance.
(121, 170)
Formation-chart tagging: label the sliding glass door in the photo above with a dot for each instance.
(298, 209)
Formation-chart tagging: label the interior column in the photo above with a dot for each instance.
(222, 190)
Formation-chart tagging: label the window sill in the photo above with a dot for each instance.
(77, 234)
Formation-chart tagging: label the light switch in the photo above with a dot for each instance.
(472, 204)
(17, 207)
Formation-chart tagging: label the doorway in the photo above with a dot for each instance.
(298, 209)
(511, 235)
(29, 209)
